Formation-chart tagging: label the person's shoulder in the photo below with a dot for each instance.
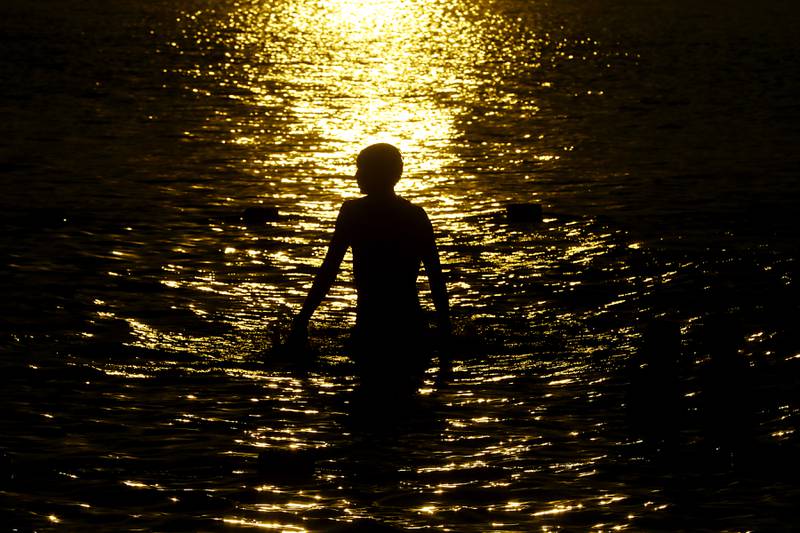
(416, 209)
(416, 217)
(347, 212)
(422, 216)
(353, 207)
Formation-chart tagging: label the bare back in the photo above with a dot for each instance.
(390, 237)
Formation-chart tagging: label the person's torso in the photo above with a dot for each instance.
(388, 239)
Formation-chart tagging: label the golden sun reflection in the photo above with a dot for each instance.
(374, 84)
(345, 74)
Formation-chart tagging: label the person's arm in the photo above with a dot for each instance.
(433, 269)
(325, 277)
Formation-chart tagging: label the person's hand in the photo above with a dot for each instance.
(298, 335)
(445, 349)
(296, 351)
(293, 351)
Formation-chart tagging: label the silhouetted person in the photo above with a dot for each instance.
(390, 238)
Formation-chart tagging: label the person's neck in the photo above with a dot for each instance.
(382, 195)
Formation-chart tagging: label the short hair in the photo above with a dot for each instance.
(382, 163)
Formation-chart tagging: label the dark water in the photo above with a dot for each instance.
(660, 138)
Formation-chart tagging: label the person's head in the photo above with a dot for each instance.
(379, 168)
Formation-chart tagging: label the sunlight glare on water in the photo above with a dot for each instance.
(347, 74)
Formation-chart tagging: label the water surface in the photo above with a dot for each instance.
(659, 137)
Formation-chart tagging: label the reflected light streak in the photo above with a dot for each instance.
(558, 509)
(284, 528)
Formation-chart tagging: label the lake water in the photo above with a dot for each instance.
(660, 138)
